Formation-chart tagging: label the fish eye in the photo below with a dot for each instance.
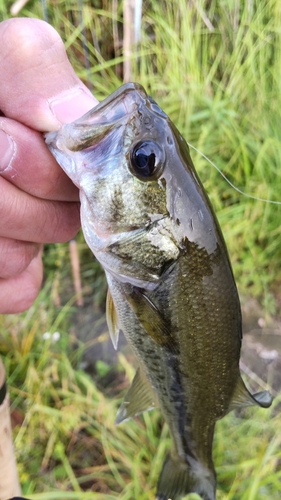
(146, 160)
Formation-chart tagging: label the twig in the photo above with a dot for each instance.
(204, 17)
(75, 264)
(55, 290)
(132, 12)
(17, 7)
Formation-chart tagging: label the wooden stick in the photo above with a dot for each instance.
(75, 264)
(128, 38)
(17, 7)
(132, 13)
(9, 481)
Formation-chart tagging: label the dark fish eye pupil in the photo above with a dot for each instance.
(145, 160)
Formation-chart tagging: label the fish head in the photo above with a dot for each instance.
(132, 168)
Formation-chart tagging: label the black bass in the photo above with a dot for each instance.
(171, 289)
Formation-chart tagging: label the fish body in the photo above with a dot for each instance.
(149, 222)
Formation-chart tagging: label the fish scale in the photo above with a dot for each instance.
(149, 222)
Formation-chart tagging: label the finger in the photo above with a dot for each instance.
(27, 163)
(18, 294)
(38, 86)
(15, 256)
(26, 218)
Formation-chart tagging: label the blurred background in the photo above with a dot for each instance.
(214, 66)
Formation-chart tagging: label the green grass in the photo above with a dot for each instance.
(214, 67)
(216, 71)
(68, 447)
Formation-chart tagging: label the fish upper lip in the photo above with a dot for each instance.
(96, 123)
(50, 137)
(119, 95)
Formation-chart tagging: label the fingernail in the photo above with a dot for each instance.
(69, 106)
(7, 150)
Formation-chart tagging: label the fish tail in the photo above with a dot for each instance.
(179, 478)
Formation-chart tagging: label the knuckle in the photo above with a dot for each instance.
(28, 297)
(15, 257)
(17, 300)
(18, 294)
(63, 224)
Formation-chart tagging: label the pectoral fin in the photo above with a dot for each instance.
(242, 397)
(112, 320)
(139, 398)
(152, 320)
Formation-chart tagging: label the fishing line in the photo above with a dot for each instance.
(264, 200)
(87, 66)
(45, 10)
(85, 47)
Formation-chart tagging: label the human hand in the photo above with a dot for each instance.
(38, 204)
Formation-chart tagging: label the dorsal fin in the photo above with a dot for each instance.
(139, 398)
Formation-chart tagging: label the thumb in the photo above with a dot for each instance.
(38, 85)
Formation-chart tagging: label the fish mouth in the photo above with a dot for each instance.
(96, 137)
(92, 127)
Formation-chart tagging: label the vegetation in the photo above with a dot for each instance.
(66, 443)
(214, 66)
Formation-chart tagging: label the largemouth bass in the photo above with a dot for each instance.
(171, 289)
